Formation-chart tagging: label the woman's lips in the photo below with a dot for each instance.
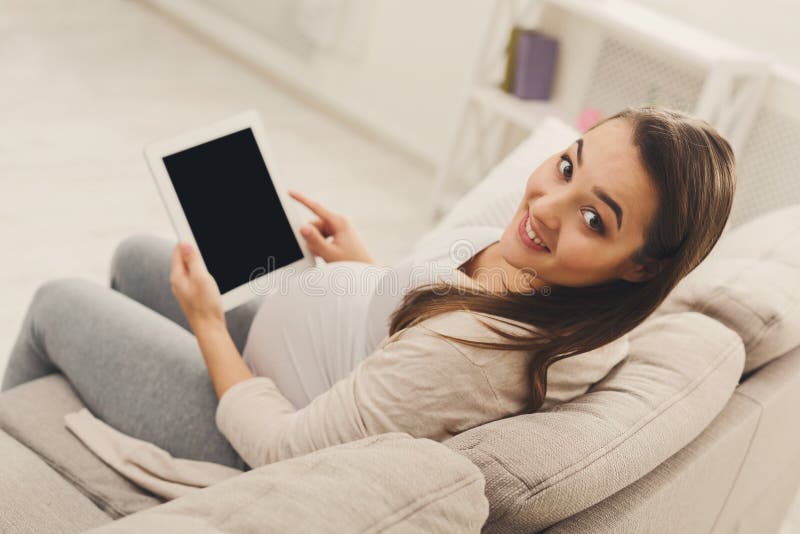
(523, 235)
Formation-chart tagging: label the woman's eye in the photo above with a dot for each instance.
(594, 221)
(565, 166)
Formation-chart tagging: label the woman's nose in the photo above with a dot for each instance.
(546, 211)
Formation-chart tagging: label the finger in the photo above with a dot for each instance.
(316, 241)
(179, 275)
(314, 206)
(323, 228)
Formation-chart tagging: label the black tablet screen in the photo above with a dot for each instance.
(233, 209)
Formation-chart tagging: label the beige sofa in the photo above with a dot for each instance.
(691, 433)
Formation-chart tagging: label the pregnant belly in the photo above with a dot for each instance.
(310, 334)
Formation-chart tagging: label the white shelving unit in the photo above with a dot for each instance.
(523, 113)
(731, 80)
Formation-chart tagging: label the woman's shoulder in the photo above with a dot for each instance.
(567, 378)
(460, 323)
(476, 326)
(571, 377)
(472, 326)
(599, 360)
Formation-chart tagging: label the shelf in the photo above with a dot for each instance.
(525, 113)
(658, 30)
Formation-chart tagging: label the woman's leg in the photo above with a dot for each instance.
(140, 268)
(132, 367)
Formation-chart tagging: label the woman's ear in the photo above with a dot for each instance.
(642, 272)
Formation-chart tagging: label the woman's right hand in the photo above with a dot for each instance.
(346, 244)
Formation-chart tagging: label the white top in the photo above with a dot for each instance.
(437, 261)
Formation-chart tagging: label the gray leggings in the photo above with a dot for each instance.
(129, 352)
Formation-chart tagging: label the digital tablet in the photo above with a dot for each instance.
(221, 187)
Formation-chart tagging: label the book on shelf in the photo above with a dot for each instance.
(531, 65)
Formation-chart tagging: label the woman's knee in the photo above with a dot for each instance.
(52, 304)
(136, 253)
(55, 302)
(58, 291)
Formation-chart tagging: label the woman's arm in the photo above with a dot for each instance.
(225, 365)
(415, 383)
(199, 297)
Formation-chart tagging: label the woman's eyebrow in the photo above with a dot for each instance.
(602, 195)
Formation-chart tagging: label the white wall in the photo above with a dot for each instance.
(402, 70)
(418, 60)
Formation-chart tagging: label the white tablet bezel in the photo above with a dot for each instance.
(155, 153)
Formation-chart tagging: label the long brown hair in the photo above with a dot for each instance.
(693, 169)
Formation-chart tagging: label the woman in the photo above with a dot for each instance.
(604, 231)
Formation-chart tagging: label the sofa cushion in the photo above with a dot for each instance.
(543, 467)
(751, 283)
(774, 235)
(33, 413)
(758, 299)
(385, 483)
(36, 499)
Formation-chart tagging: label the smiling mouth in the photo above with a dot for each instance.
(522, 230)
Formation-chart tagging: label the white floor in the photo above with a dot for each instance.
(85, 86)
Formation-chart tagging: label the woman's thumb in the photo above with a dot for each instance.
(191, 257)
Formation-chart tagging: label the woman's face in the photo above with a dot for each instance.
(590, 204)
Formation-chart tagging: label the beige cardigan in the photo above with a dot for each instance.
(414, 382)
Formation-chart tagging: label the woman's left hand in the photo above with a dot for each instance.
(194, 287)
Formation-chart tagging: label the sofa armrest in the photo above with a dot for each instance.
(371, 485)
(33, 414)
(35, 498)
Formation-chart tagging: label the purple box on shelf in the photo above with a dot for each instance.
(535, 65)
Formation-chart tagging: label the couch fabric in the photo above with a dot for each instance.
(385, 483)
(35, 498)
(751, 283)
(406, 483)
(33, 413)
(740, 475)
